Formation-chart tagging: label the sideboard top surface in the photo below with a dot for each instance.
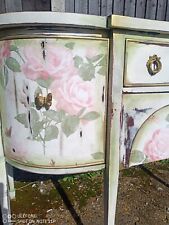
(52, 19)
(20, 19)
(137, 24)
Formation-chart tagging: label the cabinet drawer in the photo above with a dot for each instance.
(146, 63)
(145, 128)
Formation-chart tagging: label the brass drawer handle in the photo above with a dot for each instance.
(41, 101)
(154, 65)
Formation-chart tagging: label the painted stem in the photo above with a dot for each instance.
(61, 143)
(20, 56)
(15, 89)
(44, 147)
(43, 144)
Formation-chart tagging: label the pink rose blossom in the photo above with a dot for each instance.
(73, 95)
(4, 50)
(91, 52)
(58, 63)
(158, 146)
(34, 67)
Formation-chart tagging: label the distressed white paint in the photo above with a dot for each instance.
(52, 18)
(135, 96)
(137, 55)
(10, 176)
(62, 150)
(119, 95)
(148, 116)
(112, 164)
(136, 24)
(4, 197)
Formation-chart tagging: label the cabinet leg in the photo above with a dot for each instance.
(4, 198)
(110, 196)
(10, 176)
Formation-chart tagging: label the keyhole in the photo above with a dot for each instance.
(155, 67)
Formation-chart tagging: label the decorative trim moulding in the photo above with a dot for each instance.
(79, 20)
(51, 19)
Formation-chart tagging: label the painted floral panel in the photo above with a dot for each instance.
(53, 95)
(145, 131)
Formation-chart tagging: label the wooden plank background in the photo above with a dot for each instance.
(149, 9)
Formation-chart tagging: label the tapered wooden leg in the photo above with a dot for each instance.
(4, 197)
(111, 178)
(10, 176)
(114, 124)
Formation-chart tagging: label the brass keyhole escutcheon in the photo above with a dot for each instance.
(41, 101)
(154, 65)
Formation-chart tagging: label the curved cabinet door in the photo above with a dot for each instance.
(145, 129)
(53, 94)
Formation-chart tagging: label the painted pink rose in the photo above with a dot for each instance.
(4, 50)
(91, 52)
(158, 147)
(34, 66)
(73, 95)
(58, 63)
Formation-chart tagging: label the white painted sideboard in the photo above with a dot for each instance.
(53, 83)
(139, 91)
(82, 93)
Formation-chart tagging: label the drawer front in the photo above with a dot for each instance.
(145, 128)
(146, 64)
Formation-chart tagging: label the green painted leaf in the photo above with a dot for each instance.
(21, 42)
(137, 156)
(78, 61)
(70, 124)
(51, 133)
(91, 116)
(98, 155)
(146, 160)
(1, 78)
(44, 83)
(14, 48)
(37, 91)
(97, 57)
(103, 61)
(32, 104)
(81, 111)
(13, 64)
(103, 70)
(70, 45)
(87, 71)
(57, 116)
(4, 76)
(89, 60)
(37, 128)
(22, 118)
(37, 138)
(34, 116)
(103, 64)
